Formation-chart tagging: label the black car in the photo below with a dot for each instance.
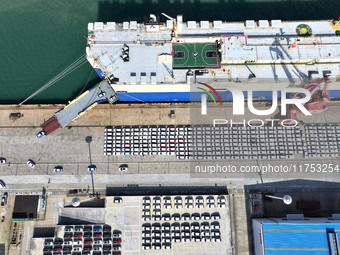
(107, 229)
(57, 243)
(66, 249)
(88, 235)
(107, 235)
(68, 236)
(87, 229)
(106, 248)
(4, 199)
(87, 249)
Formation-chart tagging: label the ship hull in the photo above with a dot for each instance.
(157, 97)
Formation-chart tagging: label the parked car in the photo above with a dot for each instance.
(146, 247)
(97, 242)
(31, 163)
(102, 94)
(91, 168)
(68, 236)
(116, 248)
(58, 169)
(88, 242)
(107, 228)
(108, 241)
(48, 243)
(97, 229)
(116, 234)
(2, 160)
(123, 167)
(146, 227)
(97, 235)
(75, 249)
(67, 243)
(2, 184)
(117, 200)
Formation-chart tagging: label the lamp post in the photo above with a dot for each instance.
(88, 139)
(287, 199)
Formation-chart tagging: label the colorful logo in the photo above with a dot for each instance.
(208, 92)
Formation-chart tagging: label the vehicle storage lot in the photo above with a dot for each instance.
(128, 216)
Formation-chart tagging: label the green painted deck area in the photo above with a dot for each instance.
(195, 55)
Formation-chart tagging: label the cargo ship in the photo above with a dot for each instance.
(166, 59)
(156, 61)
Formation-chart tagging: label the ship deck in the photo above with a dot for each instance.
(294, 50)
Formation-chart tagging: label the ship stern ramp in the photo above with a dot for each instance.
(100, 93)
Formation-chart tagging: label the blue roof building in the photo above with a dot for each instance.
(310, 236)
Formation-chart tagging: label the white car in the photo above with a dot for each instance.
(215, 225)
(67, 243)
(2, 160)
(114, 248)
(166, 246)
(2, 184)
(97, 242)
(123, 167)
(146, 228)
(102, 94)
(91, 168)
(77, 249)
(146, 247)
(31, 163)
(107, 242)
(48, 243)
(40, 134)
(58, 169)
(146, 241)
(78, 242)
(146, 234)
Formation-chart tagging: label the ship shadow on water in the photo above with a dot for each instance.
(228, 10)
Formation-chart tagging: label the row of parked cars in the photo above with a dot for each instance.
(157, 216)
(156, 235)
(184, 226)
(148, 141)
(178, 202)
(86, 240)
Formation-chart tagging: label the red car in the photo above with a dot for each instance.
(88, 242)
(78, 236)
(97, 235)
(57, 250)
(117, 241)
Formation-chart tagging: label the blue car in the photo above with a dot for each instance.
(97, 229)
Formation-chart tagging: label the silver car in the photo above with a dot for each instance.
(31, 163)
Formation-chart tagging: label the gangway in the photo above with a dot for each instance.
(100, 93)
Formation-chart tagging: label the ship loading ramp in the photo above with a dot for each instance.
(100, 93)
